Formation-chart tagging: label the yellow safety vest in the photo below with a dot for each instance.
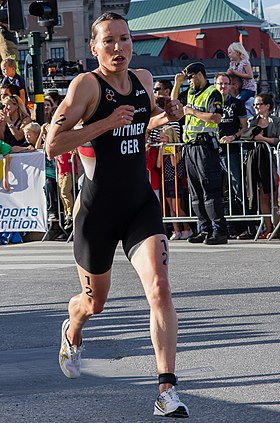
(193, 125)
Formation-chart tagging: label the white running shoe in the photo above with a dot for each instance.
(175, 235)
(186, 234)
(69, 355)
(168, 404)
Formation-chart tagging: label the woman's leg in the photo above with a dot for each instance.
(151, 263)
(90, 301)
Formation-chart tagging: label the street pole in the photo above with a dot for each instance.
(35, 41)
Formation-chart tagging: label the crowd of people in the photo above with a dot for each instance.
(215, 115)
(18, 133)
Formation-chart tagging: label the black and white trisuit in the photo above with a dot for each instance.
(118, 203)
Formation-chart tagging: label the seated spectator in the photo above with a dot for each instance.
(31, 132)
(258, 164)
(168, 135)
(240, 66)
(8, 67)
(13, 118)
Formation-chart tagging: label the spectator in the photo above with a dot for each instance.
(201, 134)
(55, 96)
(31, 132)
(8, 90)
(163, 88)
(241, 66)
(65, 185)
(8, 67)
(151, 165)
(49, 106)
(50, 186)
(236, 86)
(154, 135)
(258, 164)
(168, 135)
(13, 118)
(233, 123)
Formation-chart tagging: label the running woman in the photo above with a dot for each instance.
(116, 105)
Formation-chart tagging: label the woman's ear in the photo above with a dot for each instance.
(92, 48)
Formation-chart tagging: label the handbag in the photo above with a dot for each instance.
(251, 132)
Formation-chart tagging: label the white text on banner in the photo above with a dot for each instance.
(23, 208)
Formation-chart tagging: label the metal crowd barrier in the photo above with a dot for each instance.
(230, 216)
(277, 153)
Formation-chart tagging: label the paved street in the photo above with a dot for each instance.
(227, 299)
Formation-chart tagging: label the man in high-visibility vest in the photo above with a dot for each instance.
(203, 111)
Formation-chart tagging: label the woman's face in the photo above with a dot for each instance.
(112, 45)
(260, 107)
(47, 107)
(11, 107)
(163, 138)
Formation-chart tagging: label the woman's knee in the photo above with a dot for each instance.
(93, 306)
(159, 292)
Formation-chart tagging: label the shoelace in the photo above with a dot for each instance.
(75, 352)
(172, 394)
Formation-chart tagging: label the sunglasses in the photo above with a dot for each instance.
(258, 104)
(157, 89)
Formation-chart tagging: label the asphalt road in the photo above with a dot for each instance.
(227, 299)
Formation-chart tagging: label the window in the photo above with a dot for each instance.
(57, 53)
(183, 56)
(21, 59)
(220, 55)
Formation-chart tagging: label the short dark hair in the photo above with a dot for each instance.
(107, 16)
(14, 89)
(223, 74)
(166, 84)
(267, 98)
(237, 79)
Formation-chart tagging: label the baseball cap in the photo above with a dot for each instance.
(194, 68)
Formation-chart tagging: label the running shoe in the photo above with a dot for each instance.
(168, 404)
(69, 355)
(175, 235)
(186, 234)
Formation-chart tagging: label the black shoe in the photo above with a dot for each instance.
(199, 238)
(216, 239)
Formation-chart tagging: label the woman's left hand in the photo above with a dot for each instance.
(259, 137)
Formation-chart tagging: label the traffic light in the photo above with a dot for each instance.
(11, 14)
(46, 11)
